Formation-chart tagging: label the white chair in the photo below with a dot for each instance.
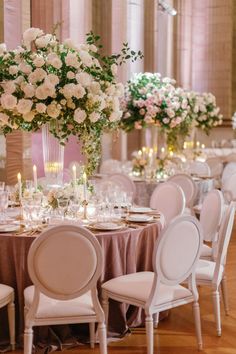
(229, 189)
(210, 219)
(64, 265)
(211, 273)
(199, 168)
(216, 166)
(7, 299)
(124, 182)
(228, 171)
(188, 186)
(168, 198)
(174, 259)
(110, 166)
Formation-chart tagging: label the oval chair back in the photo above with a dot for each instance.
(65, 262)
(211, 214)
(169, 199)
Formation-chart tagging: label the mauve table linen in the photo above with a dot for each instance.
(124, 251)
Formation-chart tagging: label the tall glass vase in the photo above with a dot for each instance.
(53, 157)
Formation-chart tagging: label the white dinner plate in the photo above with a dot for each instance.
(141, 210)
(139, 218)
(106, 226)
(9, 228)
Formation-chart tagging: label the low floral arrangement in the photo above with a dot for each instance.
(151, 99)
(204, 111)
(68, 192)
(139, 163)
(71, 87)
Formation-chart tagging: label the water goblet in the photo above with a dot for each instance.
(3, 205)
(63, 206)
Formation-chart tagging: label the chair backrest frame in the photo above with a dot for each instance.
(211, 214)
(224, 239)
(46, 270)
(188, 186)
(171, 247)
(173, 188)
(123, 181)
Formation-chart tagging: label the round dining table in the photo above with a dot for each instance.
(145, 188)
(124, 251)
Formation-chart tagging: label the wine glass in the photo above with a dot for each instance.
(3, 205)
(63, 206)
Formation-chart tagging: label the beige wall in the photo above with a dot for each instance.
(204, 45)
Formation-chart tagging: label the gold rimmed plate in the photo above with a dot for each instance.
(106, 226)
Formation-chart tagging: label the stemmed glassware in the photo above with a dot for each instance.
(3, 205)
(63, 206)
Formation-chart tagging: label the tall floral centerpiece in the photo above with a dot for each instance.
(152, 100)
(204, 110)
(70, 87)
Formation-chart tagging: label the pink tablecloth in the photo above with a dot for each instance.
(124, 252)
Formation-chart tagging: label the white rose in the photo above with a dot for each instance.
(39, 61)
(41, 108)
(43, 41)
(79, 91)
(29, 90)
(110, 90)
(115, 116)
(170, 112)
(68, 90)
(93, 48)
(30, 35)
(9, 87)
(52, 79)
(28, 117)
(94, 117)
(56, 63)
(53, 111)
(84, 79)
(4, 118)
(25, 68)
(24, 106)
(13, 69)
(114, 69)
(70, 104)
(19, 80)
(95, 87)
(40, 74)
(8, 101)
(79, 115)
(41, 92)
(86, 58)
(3, 48)
(119, 90)
(69, 43)
(115, 104)
(70, 75)
(72, 60)
(63, 102)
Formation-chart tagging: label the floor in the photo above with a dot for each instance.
(175, 334)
